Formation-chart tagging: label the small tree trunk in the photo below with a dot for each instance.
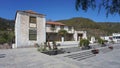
(49, 45)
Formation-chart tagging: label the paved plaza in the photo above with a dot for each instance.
(31, 58)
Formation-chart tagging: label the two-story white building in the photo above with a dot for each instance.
(31, 28)
(53, 28)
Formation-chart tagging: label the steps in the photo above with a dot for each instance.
(81, 56)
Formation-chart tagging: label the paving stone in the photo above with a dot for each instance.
(31, 58)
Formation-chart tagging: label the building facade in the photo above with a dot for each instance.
(53, 29)
(29, 28)
(32, 28)
(114, 38)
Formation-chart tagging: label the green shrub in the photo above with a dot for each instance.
(2, 40)
(6, 37)
(84, 42)
(101, 41)
(42, 48)
(54, 45)
(62, 32)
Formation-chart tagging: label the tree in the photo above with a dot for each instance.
(111, 6)
(62, 32)
(84, 42)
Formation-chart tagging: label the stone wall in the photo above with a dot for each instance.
(5, 46)
(22, 30)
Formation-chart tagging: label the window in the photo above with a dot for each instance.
(32, 34)
(61, 27)
(32, 22)
(32, 19)
(53, 27)
(33, 28)
(118, 37)
(69, 28)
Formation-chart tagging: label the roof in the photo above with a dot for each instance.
(30, 12)
(55, 23)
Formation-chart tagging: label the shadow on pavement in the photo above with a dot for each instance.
(2, 55)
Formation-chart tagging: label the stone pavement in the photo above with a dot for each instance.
(31, 58)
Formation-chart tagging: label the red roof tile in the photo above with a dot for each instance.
(31, 12)
(55, 23)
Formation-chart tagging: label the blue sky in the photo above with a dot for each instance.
(53, 9)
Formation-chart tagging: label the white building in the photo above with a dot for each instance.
(52, 29)
(31, 28)
(116, 37)
(108, 38)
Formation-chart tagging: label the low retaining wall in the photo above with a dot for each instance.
(5, 46)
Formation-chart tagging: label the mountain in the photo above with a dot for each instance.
(93, 28)
(6, 30)
(6, 24)
(111, 27)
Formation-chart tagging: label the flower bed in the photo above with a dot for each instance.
(95, 51)
(110, 47)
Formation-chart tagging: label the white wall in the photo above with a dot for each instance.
(80, 32)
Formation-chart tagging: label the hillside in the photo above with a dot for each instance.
(6, 30)
(6, 24)
(110, 26)
(93, 28)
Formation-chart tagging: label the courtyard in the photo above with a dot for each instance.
(31, 58)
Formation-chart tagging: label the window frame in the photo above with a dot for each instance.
(34, 33)
(32, 21)
(70, 28)
(62, 27)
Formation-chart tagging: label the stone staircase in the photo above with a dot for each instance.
(81, 56)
